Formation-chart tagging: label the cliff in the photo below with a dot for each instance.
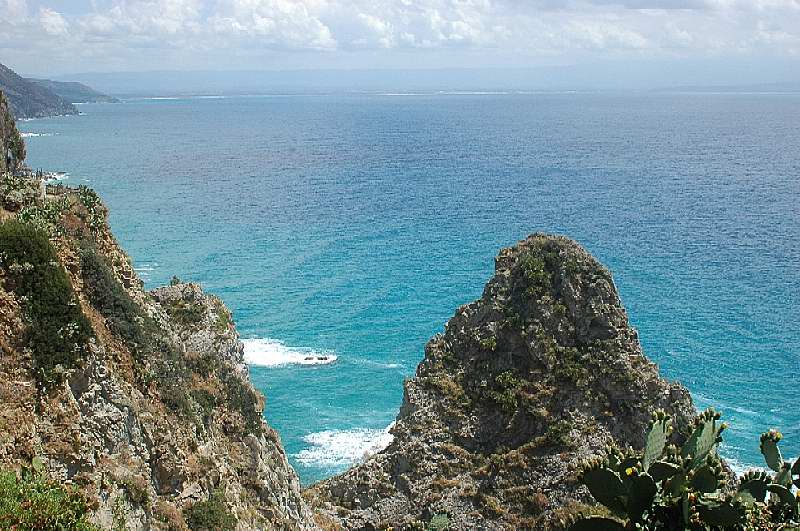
(538, 375)
(139, 400)
(30, 100)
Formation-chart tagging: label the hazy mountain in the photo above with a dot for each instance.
(30, 100)
(75, 92)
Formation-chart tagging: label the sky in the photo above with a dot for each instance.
(746, 41)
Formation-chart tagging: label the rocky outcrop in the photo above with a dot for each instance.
(539, 374)
(12, 146)
(157, 421)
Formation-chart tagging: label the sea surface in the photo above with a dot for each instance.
(353, 225)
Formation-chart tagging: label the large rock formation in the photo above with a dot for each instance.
(154, 419)
(539, 374)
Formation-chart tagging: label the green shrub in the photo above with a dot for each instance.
(45, 216)
(558, 434)
(157, 360)
(205, 365)
(206, 402)
(176, 399)
(108, 296)
(505, 392)
(223, 319)
(186, 313)
(535, 273)
(58, 331)
(211, 515)
(243, 399)
(91, 201)
(137, 489)
(32, 502)
(123, 315)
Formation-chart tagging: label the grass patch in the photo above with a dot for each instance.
(58, 332)
(33, 502)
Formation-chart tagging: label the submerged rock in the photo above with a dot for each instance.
(539, 374)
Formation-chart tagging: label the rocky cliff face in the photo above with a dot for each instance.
(140, 399)
(12, 147)
(536, 376)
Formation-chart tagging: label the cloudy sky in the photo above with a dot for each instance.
(65, 36)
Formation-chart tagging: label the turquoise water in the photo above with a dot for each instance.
(353, 225)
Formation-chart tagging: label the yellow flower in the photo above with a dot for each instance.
(629, 471)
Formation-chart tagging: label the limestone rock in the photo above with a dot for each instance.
(528, 381)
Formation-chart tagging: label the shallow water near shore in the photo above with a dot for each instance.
(344, 230)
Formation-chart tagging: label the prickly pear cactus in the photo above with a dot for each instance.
(666, 487)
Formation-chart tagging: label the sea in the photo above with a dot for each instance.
(348, 227)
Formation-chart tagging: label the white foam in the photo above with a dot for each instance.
(474, 92)
(273, 353)
(56, 176)
(342, 448)
(34, 135)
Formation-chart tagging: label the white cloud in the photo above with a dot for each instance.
(52, 22)
(14, 10)
(241, 31)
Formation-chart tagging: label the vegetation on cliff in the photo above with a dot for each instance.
(31, 501)
(57, 331)
(140, 401)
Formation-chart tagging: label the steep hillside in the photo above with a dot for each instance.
(29, 100)
(74, 92)
(539, 374)
(139, 400)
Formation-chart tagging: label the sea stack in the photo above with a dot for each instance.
(527, 382)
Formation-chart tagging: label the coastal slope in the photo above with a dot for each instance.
(74, 92)
(140, 400)
(539, 374)
(31, 100)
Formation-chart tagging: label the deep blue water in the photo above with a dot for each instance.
(354, 225)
